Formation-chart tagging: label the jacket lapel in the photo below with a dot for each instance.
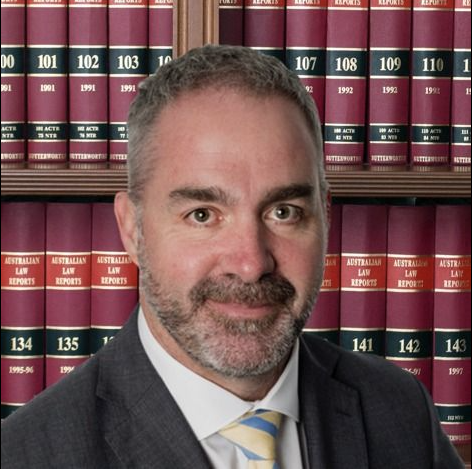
(330, 411)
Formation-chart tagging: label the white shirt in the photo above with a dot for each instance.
(208, 407)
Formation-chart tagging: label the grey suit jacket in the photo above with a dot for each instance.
(115, 412)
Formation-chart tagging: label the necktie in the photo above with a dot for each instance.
(255, 434)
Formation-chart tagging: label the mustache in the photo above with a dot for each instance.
(268, 290)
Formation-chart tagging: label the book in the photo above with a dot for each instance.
(389, 82)
(346, 69)
(410, 284)
(324, 319)
(114, 277)
(432, 28)
(363, 278)
(461, 86)
(128, 65)
(160, 33)
(46, 79)
(22, 302)
(264, 27)
(13, 114)
(68, 269)
(88, 81)
(231, 22)
(305, 51)
(452, 313)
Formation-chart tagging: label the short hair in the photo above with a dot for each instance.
(212, 67)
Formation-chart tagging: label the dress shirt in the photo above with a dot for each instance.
(208, 407)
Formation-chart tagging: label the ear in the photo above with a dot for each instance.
(125, 213)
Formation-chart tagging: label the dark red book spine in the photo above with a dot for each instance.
(461, 86)
(452, 363)
(114, 278)
(88, 81)
(324, 320)
(431, 82)
(410, 284)
(68, 252)
(128, 65)
(363, 278)
(46, 39)
(264, 27)
(389, 81)
(160, 33)
(23, 246)
(346, 69)
(305, 52)
(231, 22)
(13, 81)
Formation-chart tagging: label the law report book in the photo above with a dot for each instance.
(305, 51)
(22, 302)
(88, 81)
(114, 284)
(160, 17)
(68, 253)
(231, 22)
(324, 319)
(410, 284)
(346, 69)
(13, 114)
(452, 319)
(46, 38)
(363, 278)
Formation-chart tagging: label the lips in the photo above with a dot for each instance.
(243, 311)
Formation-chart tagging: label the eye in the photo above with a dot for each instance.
(201, 216)
(285, 213)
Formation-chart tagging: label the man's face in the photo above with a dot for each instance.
(232, 237)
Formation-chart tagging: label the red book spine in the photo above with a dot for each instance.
(88, 81)
(324, 320)
(114, 278)
(461, 86)
(389, 81)
(305, 52)
(46, 39)
(128, 65)
(160, 33)
(452, 363)
(410, 284)
(363, 278)
(231, 22)
(13, 81)
(345, 102)
(68, 246)
(431, 81)
(22, 298)
(264, 26)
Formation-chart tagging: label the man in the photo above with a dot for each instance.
(226, 216)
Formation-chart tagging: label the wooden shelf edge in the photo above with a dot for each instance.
(465, 453)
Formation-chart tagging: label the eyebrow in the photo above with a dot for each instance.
(290, 192)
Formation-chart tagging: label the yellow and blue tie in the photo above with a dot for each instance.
(255, 434)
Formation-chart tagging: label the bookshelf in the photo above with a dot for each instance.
(195, 24)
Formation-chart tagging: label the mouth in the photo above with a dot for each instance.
(241, 310)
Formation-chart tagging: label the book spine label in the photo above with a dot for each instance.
(13, 81)
(47, 80)
(389, 82)
(160, 33)
(305, 52)
(231, 17)
(461, 86)
(346, 68)
(22, 297)
(88, 81)
(264, 27)
(431, 82)
(128, 65)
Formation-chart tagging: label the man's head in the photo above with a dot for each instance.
(226, 209)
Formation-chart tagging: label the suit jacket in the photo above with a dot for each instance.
(114, 411)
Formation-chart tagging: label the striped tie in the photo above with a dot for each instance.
(255, 434)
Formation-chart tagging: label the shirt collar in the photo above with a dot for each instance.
(208, 407)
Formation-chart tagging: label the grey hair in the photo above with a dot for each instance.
(212, 67)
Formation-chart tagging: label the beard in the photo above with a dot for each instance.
(233, 347)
